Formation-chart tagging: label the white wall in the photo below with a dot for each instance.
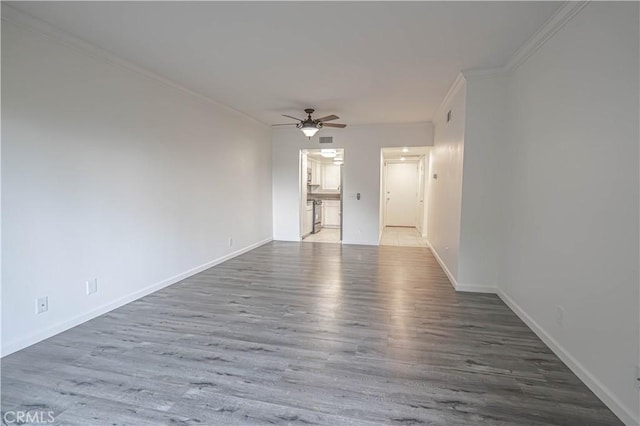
(481, 219)
(572, 212)
(445, 192)
(361, 170)
(548, 215)
(110, 174)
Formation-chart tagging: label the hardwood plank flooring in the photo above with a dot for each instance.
(297, 333)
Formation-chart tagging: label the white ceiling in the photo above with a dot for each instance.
(368, 62)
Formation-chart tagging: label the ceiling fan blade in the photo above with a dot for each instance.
(328, 118)
(288, 116)
(342, 126)
(285, 124)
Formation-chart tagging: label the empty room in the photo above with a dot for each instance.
(332, 213)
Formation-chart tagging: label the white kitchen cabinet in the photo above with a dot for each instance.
(319, 173)
(316, 172)
(331, 213)
(331, 177)
(308, 220)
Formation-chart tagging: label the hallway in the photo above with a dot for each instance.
(402, 236)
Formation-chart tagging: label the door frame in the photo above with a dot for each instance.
(421, 192)
(302, 191)
(303, 162)
(342, 197)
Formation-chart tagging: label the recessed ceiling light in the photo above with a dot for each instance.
(402, 158)
(328, 153)
(405, 149)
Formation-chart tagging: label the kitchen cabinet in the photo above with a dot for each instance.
(316, 172)
(331, 214)
(331, 177)
(307, 226)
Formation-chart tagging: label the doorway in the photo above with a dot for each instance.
(403, 195)
(321, 195)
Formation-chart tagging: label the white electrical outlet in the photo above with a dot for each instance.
(42, 305)
(230, 241)
(560, 314)
(92, 286)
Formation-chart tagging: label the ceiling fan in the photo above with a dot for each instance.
(310, 126)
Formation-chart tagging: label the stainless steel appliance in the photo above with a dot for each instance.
(317, 216)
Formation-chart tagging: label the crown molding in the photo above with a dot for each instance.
(378, 124)
(479, 72)
(551, 26)
(26, 22)
(459, 82)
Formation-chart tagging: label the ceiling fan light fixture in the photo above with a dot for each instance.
(309, 126)
(309, 129)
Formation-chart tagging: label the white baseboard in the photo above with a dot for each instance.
(601, 391)
(476, 288)
(40, 335)
(472, 288)
(452, 280)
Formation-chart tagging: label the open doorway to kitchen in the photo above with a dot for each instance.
(403, 210)
(321, 195)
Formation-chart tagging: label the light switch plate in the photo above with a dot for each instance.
(92, 286)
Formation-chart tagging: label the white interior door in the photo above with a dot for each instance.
(402, 194)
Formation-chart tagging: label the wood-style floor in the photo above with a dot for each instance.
(297, 333)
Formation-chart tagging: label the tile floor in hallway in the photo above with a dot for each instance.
(402, 236)
(326, 235)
